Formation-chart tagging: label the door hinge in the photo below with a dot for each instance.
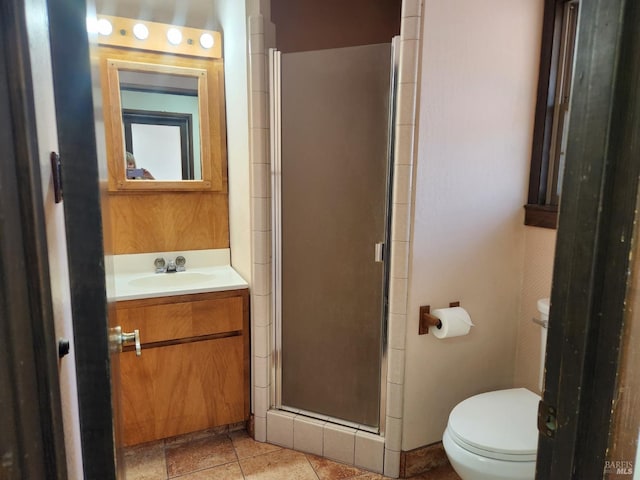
(547, 422)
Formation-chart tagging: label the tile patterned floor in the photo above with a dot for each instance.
(236, 456)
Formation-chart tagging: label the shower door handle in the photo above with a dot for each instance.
(379, 252)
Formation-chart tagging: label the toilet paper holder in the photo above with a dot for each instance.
(427, 320)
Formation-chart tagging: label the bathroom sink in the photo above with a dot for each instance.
(169, 280)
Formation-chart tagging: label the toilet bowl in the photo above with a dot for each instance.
(494, 435)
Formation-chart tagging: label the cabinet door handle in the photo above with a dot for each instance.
(119, 339)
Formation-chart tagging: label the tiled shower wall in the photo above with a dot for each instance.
(379, 453)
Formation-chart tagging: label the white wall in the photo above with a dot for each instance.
(232, 17)
(38, 34)
(476, 108)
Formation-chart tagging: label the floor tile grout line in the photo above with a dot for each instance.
(182, 475)
(306, 457)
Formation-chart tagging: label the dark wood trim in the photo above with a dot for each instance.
(594, 242)
(542, 127)
(77, 142)
(32, 437)
(545, 216)
(544, 101)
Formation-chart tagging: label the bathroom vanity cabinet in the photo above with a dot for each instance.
(193, 373)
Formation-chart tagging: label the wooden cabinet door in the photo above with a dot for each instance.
(182, 388)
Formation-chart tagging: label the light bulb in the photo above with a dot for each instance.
(206, 40)
(92, 25)
(104, 27)
(174, 36)
(140, 31)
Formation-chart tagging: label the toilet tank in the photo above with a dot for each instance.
(543, 309)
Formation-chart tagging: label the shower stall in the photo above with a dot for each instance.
(331, 116)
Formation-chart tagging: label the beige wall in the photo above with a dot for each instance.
(538, 270)
(477, 99)
(54, 216)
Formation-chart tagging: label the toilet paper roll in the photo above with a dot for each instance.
(455, 322)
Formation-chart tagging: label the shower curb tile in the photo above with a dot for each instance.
(260, 428)
(339, 443)
(308, 435)
(391, 463)
(280, 428)
(369, 452)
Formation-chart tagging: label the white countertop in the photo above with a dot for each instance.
(132, 283)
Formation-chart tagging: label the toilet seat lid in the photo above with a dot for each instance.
(500, 424)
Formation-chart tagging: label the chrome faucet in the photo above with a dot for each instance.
(177, 265)
(171, 267)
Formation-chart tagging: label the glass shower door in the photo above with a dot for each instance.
(334, 177)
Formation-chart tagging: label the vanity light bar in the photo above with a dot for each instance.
(160, 37)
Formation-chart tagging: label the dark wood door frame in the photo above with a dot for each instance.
(83, 220)
(595, 239)
(31, 433)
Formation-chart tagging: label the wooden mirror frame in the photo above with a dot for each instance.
(211, 109)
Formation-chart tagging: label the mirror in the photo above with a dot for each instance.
(164, 119)
(161, 126)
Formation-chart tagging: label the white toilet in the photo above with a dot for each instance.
(494, 435)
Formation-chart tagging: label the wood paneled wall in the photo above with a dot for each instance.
(169, 221)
